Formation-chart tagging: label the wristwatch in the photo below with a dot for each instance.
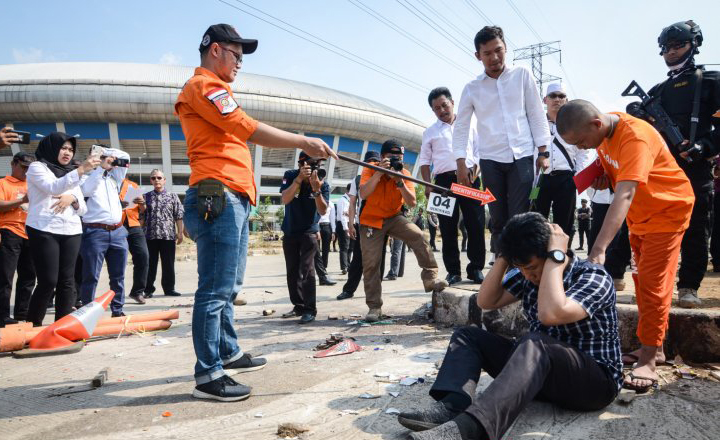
(314, 194)
(557, 256)
(544, 154)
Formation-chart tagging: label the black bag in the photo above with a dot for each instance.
(211, 199)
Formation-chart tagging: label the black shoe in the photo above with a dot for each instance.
(327, 281)
(344, 271)
(148, 295)
(426, 418)
(245, 363)
(453, 279)
(307, 318)
(476, 276)
(223, 389)
(117, 314)
(579, 248)
(389, 277)
(8, 321)
(138, 298)
(290, 314)
(344, 295)
(173, 293)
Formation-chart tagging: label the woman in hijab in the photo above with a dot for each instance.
(53, 223)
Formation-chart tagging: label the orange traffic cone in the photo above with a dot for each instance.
(78, 325)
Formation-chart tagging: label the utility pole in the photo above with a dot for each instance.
(535, 54)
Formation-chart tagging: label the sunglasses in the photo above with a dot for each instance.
(557, 96)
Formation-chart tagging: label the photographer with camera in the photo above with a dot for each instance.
(306, 196)
(104, 237)
(380, 216)
(689, 96)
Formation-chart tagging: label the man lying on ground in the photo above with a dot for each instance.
(570, 357)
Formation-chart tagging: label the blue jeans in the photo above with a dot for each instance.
(222, 255)
(99, 245)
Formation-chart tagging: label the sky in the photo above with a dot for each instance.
(604, 45)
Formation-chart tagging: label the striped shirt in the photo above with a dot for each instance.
(592, 287)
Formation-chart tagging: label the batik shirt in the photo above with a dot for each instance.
(162, 209)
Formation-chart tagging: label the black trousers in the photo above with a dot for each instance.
(537, 366)
(715, 242)
(54, 256)
(433, 230)
(300, 250)
(320, 268)
(599, 211)
(355, 270)
(584, 232)
(325, 239)
(343, 243)
(510, 183)
(695, 243)
(165, 250)
(558, 192)
(15, 256)
(474, 218)
(618, 255)
(137, 245)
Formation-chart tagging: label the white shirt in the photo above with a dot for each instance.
(329, 214)
(354, 192)
(103, 191)
(510, 117)
(558, 162)
(437, 148)
(42, 186)
(341, 211)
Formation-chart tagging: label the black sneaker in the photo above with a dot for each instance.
(117, 314)
(453, 279)
(173, 293)
(245, 363)
(426, 418)
(344, 295)
(307, 318)
(327, 281)
(223, 389)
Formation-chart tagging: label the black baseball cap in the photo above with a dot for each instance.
(372, 155)
(392, 146)
(24, 159)
(224, 33)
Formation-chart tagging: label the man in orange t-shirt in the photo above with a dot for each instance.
(14, 246)
(137, 245)
(217, 131)
(657, 198)
(380, 217)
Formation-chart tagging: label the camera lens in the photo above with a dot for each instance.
(321, 173)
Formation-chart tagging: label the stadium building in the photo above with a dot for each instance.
(130, 106)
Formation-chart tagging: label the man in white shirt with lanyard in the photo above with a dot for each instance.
(437, 150)
(557, 187)
(511, 124)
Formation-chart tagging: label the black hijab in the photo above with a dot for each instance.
(48, 151)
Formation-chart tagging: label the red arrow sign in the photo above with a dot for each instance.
(484, 197)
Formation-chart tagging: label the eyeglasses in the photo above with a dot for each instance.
(557, 96)
(238, 56)
(156, 178)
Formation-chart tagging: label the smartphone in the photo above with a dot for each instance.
(24, 136)
(97, 150)
(121, 163)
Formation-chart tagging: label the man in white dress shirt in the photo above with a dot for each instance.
(104, 238)
(557, 187)
(511, 124)
(437, 150)
(341, 230)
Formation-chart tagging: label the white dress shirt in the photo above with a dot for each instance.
(328, 216)
(341, 211)
(558, 162)
(42, 186)
(437, 148)
(354, 192)
(102, 187)
(510, 117)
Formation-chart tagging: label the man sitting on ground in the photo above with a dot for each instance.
(570, 357)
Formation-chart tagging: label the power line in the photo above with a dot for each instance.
(373, 13)
(452, 25)
(522, 17)
(450, 38)
(333, 48)
(479, 11)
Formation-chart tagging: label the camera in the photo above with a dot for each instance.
(396, 163)
(316, 165)
(121, 163)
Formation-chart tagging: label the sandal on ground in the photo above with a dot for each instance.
(639, 389)
(635, 358)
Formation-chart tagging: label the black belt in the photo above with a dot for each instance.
(561, 173)
(102, 226)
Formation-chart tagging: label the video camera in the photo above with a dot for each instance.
(316, 165)
(99, 150)
(652, 111)
(396, 163)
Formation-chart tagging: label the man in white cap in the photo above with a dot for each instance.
(557, 188)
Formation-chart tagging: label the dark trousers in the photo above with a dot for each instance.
(537, 366)
(433, 230)
(355, 270)
(397, 258)
(300, 250)
(325, 239)
(599, 211)
(584, 232)
(54, 255)
(474, 220)
(617, 256)
(15, 256)
(98, 246)
(557, 192)
(137, 245)
(163, 250)
(320, 268)
(715, 243)
(694, 247)
(510, 183)
(343, 243)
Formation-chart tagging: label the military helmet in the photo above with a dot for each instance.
(680, 32)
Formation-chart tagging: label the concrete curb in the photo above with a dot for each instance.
(693, 334)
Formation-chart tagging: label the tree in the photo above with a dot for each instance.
(263, 215)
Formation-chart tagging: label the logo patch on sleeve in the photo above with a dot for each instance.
(222, 100)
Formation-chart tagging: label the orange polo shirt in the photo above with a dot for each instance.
(664, 198)
(132, 215)
(385, 202)
(14, 220)
(216, 130)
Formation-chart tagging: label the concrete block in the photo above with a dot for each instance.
(456, 307)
